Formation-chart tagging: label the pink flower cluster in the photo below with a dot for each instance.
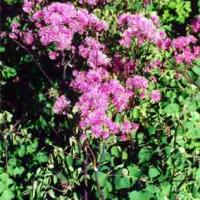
(123, 66)
(92, 50)
(92, 2)
(26, 36)
(98, 94)
(155, 96)
(185, 49)
(108, 88)
(14, 30)
(146, 2)
(57, 24)
(61, 105)
(196, 25)
(137, 82)
(141, 28)
(30, 5)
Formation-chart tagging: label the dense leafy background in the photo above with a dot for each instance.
(41, 158)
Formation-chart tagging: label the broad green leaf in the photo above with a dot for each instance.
(134, 171)
(122, 182)
(102, 178)
(115, 151)
(153, 172)
(145, 155)
(7, 195)
(136, 195)
(41, 157)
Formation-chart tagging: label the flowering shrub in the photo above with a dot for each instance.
(106, 101)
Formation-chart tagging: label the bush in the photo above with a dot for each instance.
(100, 100)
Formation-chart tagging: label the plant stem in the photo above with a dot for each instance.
(98, 185)
(35, 61)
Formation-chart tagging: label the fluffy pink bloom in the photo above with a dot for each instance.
(92, 50)
(124, 138)
(137, 82)
(155, 19)
(123, 66)
(155, 96)
(61, 105)
(164, 43)
(126, 128)
(58, 23)
(141, 28)
(146, 2)
(53, 55)
(92, 2)
(182, 42)
(28, 37)
(185, 49)
(98, 93)
(196, 25)
(28, 6)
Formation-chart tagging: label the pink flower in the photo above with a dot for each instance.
(28, 6)
(146, 2)
(53, 55)
(137, 82)
(61, 105)
(28, 37)
(124, 138)
(57, 24)
(92, 50)
(155, 96)
(155, 19)
(92, 2)
(142, 95)
(196, 25)
(83, 137)
(98, 93)
(185, 49)
(123, 66)
(141, 28)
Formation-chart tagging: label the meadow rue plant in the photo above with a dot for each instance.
(118, 97)
(59, 23)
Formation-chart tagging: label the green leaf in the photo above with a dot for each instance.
(134, 171)
(18, 171)
(152, 130)
(102, 177)
(9, 72)
(135, 113)
(115, 151)
(135, 195)
(122, 182)
(172, 109)
(145, 155)
(7, 195)
(153, 172)
(197, 174)
(21, 151)
(51, 194)
(196, 70)
(41, 157)
(32, 147)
